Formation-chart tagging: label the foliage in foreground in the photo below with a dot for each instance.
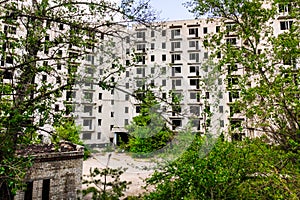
(43, 44)
(267, 93)
(250, 169)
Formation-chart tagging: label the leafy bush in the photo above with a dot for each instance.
(70, 132)
(250, 169)
(148, 132)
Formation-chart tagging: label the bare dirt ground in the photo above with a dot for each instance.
(137, 169)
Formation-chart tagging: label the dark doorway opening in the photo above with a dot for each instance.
(46, 189)
(28, 191)
(5, 192)
(122, 138)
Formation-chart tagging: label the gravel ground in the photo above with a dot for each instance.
(137, 169)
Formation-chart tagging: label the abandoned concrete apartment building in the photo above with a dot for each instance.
(172, 58)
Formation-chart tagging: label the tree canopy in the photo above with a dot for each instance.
(43, 45)
(259, 39)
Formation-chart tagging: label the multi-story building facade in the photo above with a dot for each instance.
(171, 58)
(46, 54)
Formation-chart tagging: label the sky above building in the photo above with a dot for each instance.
(168, 10)
(171, 9)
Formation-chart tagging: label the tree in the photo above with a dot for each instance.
(43, 44)
(148, 131)
(249, 40)
(105, 184)
(261, 168)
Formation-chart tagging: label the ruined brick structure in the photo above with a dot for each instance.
(55, 175)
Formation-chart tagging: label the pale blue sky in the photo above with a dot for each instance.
(172, 9)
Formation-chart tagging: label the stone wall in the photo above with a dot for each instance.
(55, 176)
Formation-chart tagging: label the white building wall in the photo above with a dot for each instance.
(175, 47)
